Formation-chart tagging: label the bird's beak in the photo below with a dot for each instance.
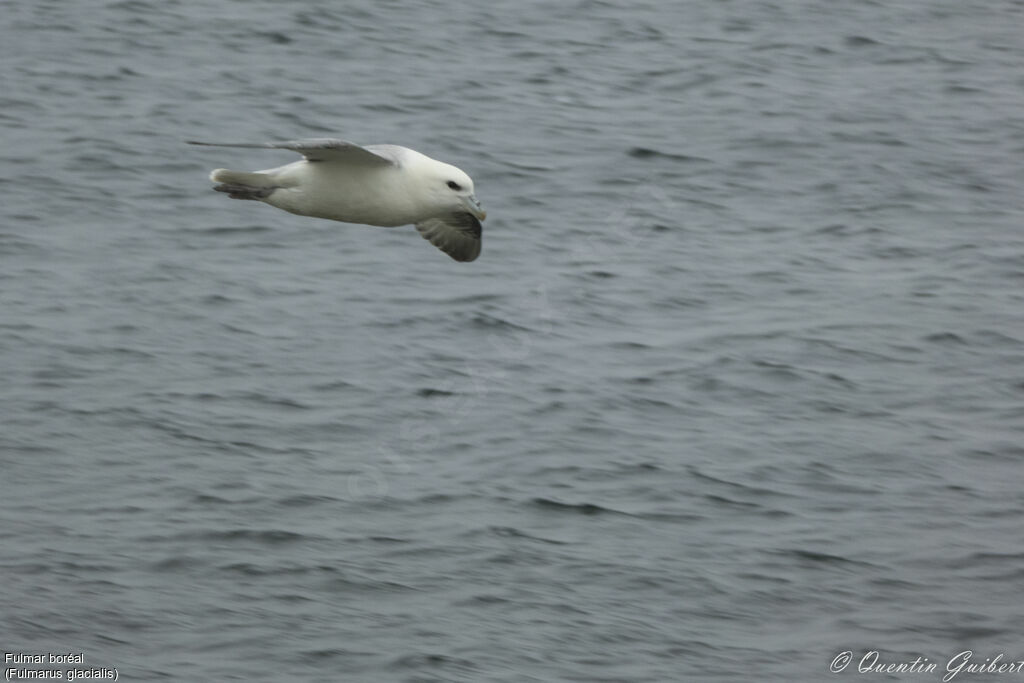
(473, 206)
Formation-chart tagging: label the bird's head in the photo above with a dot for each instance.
(452, 187)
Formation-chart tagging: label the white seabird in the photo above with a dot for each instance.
(383, 185)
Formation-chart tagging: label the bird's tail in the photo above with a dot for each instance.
(242, 185)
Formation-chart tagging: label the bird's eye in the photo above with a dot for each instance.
(454, 185)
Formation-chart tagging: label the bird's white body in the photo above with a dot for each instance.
(382, 185)
(351, 193)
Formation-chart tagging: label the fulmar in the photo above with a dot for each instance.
(382, 185)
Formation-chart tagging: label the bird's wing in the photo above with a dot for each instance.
(458, 235)
(323, 149)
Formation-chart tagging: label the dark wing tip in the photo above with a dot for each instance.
(459, 235)
(465, 256)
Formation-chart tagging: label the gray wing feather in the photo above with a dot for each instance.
(322, 149)
(458, 235)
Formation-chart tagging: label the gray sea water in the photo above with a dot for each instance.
(736, 386)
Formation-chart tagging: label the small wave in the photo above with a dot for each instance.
(859, 41)
(229, 230)
(814, 557)
(648, 153)
(177, 563)
(512, 532)
(493, 322)
(487, 599)
(578, 508)
(945, 338)
(305, 500)
(268, 536)
(250, 569)
(429, 392)
(433, 661)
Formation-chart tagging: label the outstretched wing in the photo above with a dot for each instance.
(323, 149)
(458, 235)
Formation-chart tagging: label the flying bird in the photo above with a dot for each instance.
(383, 185)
